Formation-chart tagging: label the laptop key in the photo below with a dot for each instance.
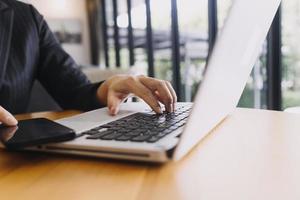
(98, 135)
(106, 126)
(153, 139)
(134, 133)
(123, 131)
(124, 138)
(155, 131)
(181, 124)
(172, 128)
(141, 138)
(164, 133)
(112, 136)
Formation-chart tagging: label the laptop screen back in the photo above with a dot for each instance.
(236, 50)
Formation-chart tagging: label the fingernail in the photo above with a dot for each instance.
(172, 107)
(113, 111)
(159, 110)
(10, 120)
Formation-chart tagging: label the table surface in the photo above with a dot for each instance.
(253, 154)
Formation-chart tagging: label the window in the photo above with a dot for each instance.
(193, 23)
(291, 53)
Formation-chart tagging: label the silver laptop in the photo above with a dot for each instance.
(138, 134)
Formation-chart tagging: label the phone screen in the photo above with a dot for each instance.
(34, 132)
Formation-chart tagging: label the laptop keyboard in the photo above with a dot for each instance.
(141, 127)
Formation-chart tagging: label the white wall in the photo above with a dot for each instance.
(68, 9)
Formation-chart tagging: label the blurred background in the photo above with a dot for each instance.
(171, 40)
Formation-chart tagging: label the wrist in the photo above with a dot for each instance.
(102, 93)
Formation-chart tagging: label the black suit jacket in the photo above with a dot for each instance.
(29, 52)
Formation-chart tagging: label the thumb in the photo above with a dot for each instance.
(113, 103)
(7, 118)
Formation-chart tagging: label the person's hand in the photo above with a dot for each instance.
(116, 89)
(7, 118)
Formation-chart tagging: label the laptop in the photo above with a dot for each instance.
(138, 134)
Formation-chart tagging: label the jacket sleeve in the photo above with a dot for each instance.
(60, 75)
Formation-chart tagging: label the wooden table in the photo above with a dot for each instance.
(254, 154)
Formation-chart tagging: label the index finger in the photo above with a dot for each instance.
(165, 95)
(143, 92)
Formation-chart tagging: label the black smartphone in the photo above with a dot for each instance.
(34, 132)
